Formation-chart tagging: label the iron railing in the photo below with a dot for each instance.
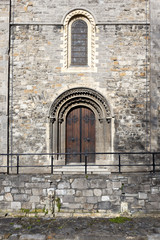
(148, 159)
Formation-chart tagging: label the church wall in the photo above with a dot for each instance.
(38, 79)
(4, 50)
(155, 75)
(46, 11)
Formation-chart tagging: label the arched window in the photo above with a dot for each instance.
(79, 43)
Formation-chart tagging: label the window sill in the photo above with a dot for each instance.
(79, 69)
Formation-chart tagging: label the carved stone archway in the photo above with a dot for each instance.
(80, 97)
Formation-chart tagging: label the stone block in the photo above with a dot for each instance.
(44, 192)
(104, 205)
(97, 192)
(117, 185)
(14, 190)
(105, 198)
(154, 237)
(141, 202)
(1, 198)
(80, 199)
(78, 193)
(51, 192)
(26, 205)
(87, 207)
(87, 193)
(67, 199)
(28, 192)
(38, 179)
(72, 205)
(142, 195)
(35, 199)
(20, 197)
(155, 205)
(63, 185)
(32, 237)
(130, 199)
(155, 190)
(80, 183)
(37, 191)
(7, 189)
(98, 183)
(91, 199)
(70, 191)
(15, 205)
(13, 237)
(37, 185)
(124, 207)
(156, 181)
(107, 191)
(60, 192)
(8, 197)
(6, 183)
(18, 183)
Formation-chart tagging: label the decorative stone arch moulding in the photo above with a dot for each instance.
(74, 98)
(78, 95)
(79, 14)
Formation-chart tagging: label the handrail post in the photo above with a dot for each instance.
(7, 163)
(52, 164)
(17, 164)
(85, 164)
(153, 163)
(119, 165)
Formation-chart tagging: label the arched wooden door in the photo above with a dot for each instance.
(80, 134)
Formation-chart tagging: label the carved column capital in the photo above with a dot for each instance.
(52, 120)
(108, 120)
(60, 120)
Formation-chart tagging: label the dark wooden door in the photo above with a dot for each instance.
(80, 134)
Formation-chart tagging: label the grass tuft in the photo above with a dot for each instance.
(119, 219)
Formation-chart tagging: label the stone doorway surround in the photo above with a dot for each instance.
(103, 125)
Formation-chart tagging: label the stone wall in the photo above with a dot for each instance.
(38, 79)
(155, 75)
(45, 11)
(4, 50)
(80, 195)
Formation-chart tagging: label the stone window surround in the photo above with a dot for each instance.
(69, 19)
(80, 97)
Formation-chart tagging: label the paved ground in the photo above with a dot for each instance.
(79, 229)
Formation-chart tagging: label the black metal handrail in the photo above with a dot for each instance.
(119, 164)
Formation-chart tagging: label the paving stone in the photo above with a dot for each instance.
(32, 237)
(146, 228)
(154, 237)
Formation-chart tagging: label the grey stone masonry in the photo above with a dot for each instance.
(124, 50)
(4, 58)
(40, 11)
(155, 74)
(80, 195)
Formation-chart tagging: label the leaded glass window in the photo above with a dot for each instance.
(79, 46)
